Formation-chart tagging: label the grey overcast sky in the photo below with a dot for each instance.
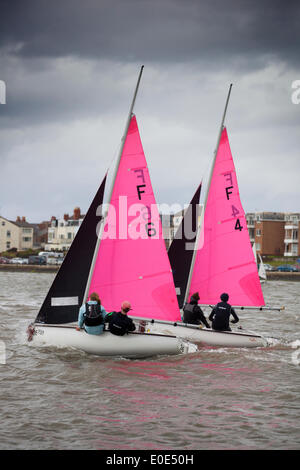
(70, 68)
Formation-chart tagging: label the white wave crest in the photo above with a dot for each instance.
(295, 344)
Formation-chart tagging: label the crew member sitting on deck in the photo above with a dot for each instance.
(220, 315)
(119, 322)
(192, 313)
(92, 315)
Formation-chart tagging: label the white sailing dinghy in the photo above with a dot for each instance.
(262, 270)
(223, 259)
(126, 261)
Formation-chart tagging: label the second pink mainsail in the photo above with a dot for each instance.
(224, 260)
(132, 262)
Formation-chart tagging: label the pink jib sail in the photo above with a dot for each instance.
(132, 262)
(224, 260)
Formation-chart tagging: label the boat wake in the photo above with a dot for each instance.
(296, 354)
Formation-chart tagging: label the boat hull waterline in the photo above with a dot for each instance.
(209, 337)
(132, 345)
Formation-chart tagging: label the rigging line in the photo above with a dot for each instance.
(250, 307)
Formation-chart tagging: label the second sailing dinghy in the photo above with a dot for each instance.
(223, 260)
(126, 261)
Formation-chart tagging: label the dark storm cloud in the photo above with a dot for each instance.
(70, 67)
(46, 89)
(53, 52)
(155, 30)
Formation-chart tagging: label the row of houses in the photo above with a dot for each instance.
(274, 233)
(52, 235)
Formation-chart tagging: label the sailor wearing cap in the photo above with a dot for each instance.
(119, 322)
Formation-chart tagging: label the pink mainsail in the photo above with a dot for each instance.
(132, 262)
(224, 261)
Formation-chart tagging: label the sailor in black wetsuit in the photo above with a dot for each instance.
(119, 322)
(192, 313)
(221, 313)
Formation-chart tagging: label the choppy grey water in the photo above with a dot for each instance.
(213, 399)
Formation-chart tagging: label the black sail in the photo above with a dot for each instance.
(65, 295)
(181, 249)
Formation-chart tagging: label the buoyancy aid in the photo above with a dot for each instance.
(93, 315)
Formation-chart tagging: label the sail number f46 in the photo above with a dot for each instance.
(149, 226)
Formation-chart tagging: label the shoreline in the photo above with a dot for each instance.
(31, 268)
(283, 276)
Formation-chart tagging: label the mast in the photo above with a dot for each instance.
(206, 197)
(112, 186)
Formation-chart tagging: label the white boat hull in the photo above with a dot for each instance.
(209, 337)
(133, 345)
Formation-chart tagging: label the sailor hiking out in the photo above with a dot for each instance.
(220, 314)
(193, 314)
(119, 322)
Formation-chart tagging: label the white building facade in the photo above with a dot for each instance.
(291, 235)
(62, 232)
(18, 234)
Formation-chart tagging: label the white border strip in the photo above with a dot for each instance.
(63, 301)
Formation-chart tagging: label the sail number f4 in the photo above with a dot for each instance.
(229, 191)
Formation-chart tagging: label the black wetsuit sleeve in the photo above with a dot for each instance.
(236, 318)
(108, 317)
(131, 325)
(201, 316)
(212, 314)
